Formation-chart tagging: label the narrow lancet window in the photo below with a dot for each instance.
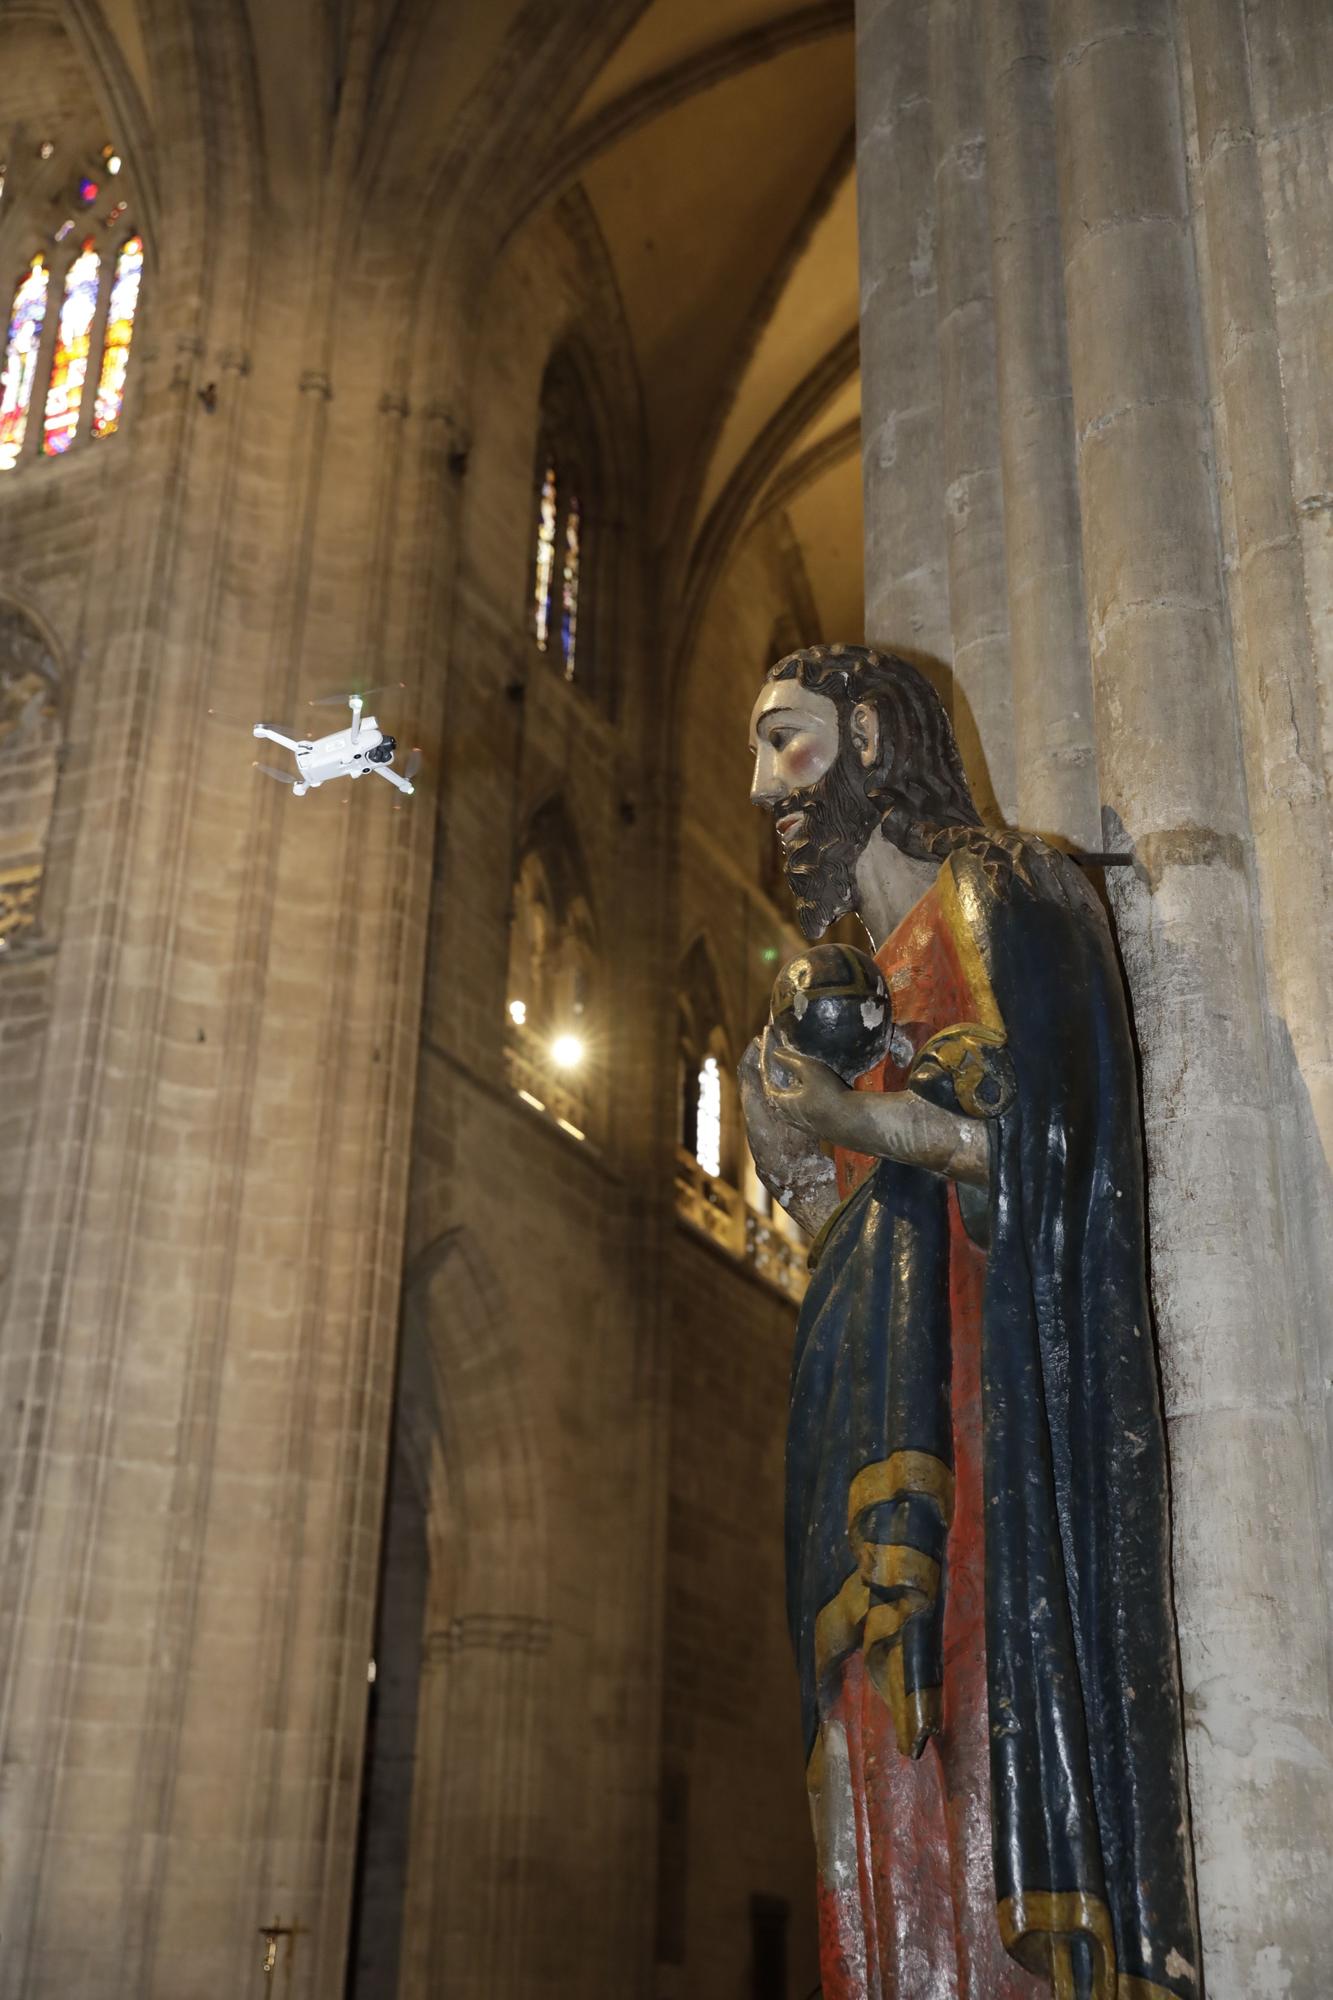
(547, 517)
(708, 1118)
(569, 590)
(26, 320)
(69, 365)
(119, 333)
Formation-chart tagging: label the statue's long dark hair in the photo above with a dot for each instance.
(918, 786)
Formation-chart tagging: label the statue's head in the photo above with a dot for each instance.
(852, 744)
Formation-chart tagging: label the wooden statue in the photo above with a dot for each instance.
(977, 1526)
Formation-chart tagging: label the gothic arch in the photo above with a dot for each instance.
(699, 987)
(576, 518)
(465, 1450)
(32, 728)
(706, 1062)
(553, 954)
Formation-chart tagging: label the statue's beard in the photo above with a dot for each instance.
(821, 870)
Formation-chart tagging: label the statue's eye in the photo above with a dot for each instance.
(779, 738)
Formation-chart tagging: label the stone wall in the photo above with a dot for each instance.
(1107, 199)
(735, 1822)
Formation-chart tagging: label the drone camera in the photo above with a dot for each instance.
(382, 753)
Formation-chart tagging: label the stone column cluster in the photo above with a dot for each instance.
(1127, 236)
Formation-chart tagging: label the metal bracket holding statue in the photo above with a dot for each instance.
(977, 1517)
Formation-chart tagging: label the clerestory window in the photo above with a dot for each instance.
(74, 304)
(567, 501)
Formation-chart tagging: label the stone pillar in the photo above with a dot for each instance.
(1279, 695)
(1252, 1622)
(907, 589)
(1054, 749)
(973, 497)
(199, 1344)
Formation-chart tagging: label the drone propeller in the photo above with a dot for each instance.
(341, 700)
(413, 764)
(236, 724)
(283, 777)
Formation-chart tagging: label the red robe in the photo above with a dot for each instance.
(907, 1904)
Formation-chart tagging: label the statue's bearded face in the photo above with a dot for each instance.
(808, 774)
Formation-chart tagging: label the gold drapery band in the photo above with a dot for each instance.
(918, 1473)
(918, 1712)
(850, 1620)
(838, 1626)
(1038, 1927)
(961, 1050)
(896, 1566)
(958, 907)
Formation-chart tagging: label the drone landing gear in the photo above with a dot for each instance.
(384, 771)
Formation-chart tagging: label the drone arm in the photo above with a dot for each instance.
(354, 703)
(394, 777)
(276, 736)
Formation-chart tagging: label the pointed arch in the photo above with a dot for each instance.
(708, 1121)
(574, 511)
(552, 834)
(443, 1874)
(31, 734)
(554, 1029)
(699, 989)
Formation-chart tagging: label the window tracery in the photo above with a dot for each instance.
(69, 363)
(30, 739)
(124, 306)
(73, 308)
(718, 1190)
(551, 1027)
(568, 488)
(708, 1116)
(26, 320)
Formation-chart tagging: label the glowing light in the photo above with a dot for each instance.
(45, 150)
(69, 365)
(567, 1051)
(518, 1012)
(708, 1120)
(88, 191)
(371, 1671)
(569, 588)
(572, 1130)
(25, 333)
(535, 1102)
(114, 163)
(119, 333)
(64, 230)
(546, 523)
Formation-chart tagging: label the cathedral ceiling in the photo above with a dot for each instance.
(716, 148)
(713, 141)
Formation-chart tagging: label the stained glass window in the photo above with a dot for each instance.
(119, 333)
(69, 365)
(25, 333)
(547, 519)
(569, 587)
(567, 551)
(708, 1118)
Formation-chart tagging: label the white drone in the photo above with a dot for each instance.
(347, 753)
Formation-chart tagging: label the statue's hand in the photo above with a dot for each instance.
(806, 1092)
(791, 1165)
(887, 1124)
